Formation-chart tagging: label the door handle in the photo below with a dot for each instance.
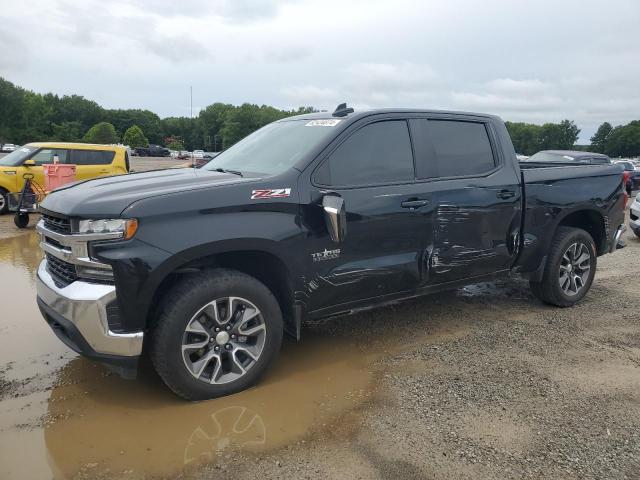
(104, 171)
(414, 203)
(504, 194)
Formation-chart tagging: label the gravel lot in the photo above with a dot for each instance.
(483, 382)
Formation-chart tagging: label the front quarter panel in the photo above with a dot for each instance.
(178, 228)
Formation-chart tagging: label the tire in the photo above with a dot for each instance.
(201, 373)
(549, 290)
(637, 232)
(21, 220)
(4, 202)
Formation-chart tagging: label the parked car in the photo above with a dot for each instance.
(633, 176)
(198, 154)
(184, 154)
(311, 216)
(634, 216)
(153, 151)
(521, 158)
(555, 157)
(91, 161)
(8, 147)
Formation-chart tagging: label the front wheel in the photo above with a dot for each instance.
(4, 202)
(570, 268)
(21, 220)
(216, 334)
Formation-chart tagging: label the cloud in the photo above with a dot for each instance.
(288, 54)
(368, 85)
(528, 66)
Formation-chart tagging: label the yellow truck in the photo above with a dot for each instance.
(91, 161)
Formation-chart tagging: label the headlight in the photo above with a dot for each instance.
(126, 227)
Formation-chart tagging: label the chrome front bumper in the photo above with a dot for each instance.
(83, 304)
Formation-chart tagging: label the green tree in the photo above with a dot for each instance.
(600, 138)
(102, 132)
(134, 137)
(624, 141)
(66, 131)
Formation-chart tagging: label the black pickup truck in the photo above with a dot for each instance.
(309, 217)
(152, 151)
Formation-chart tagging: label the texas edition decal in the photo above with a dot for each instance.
(270, 193)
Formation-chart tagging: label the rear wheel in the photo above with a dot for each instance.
(216, 334)
(4, 202)
(570, 268)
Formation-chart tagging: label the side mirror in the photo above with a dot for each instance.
(29, 163)
(335, 217)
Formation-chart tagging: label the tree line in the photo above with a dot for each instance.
(28, 116)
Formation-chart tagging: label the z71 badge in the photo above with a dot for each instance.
(270, 193)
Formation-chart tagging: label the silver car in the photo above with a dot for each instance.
(634, 218)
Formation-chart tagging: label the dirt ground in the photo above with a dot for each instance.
(480, 383)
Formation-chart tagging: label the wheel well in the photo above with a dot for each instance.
(590, 221)
(264, 266)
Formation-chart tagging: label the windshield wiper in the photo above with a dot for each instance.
(224, 170)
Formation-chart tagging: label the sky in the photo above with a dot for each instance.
(535, 61)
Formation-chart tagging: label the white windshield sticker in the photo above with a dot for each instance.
(323, 123)
(568, 157)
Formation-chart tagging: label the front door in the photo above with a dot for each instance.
(40, 158)
(388, 218)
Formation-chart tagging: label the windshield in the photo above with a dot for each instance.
(553, 157)
(18, 156)
(275, 147)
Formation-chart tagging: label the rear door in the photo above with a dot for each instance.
(475, 193)
(92, 163)
(388, 217)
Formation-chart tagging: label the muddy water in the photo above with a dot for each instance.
(61, 415)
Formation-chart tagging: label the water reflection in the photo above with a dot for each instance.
(98, 419)
(20, 250)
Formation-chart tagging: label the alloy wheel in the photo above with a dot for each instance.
(575, 267)
(223, 340)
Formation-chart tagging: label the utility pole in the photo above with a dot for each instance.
(193, 160)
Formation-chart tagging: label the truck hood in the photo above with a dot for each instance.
(111, 195)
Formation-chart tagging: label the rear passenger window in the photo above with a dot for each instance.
(451, 148)
(46, 155)
(377, 153)
(93, 157)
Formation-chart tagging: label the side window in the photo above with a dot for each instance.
(377, 153)
(93, 157)
(46, 156)
(599, 161)
(451, 148)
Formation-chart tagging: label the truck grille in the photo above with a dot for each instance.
(57, 224)
(62, 273)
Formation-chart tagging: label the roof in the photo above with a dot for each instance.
(363, 113)
(574, 153)
(77, 146)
